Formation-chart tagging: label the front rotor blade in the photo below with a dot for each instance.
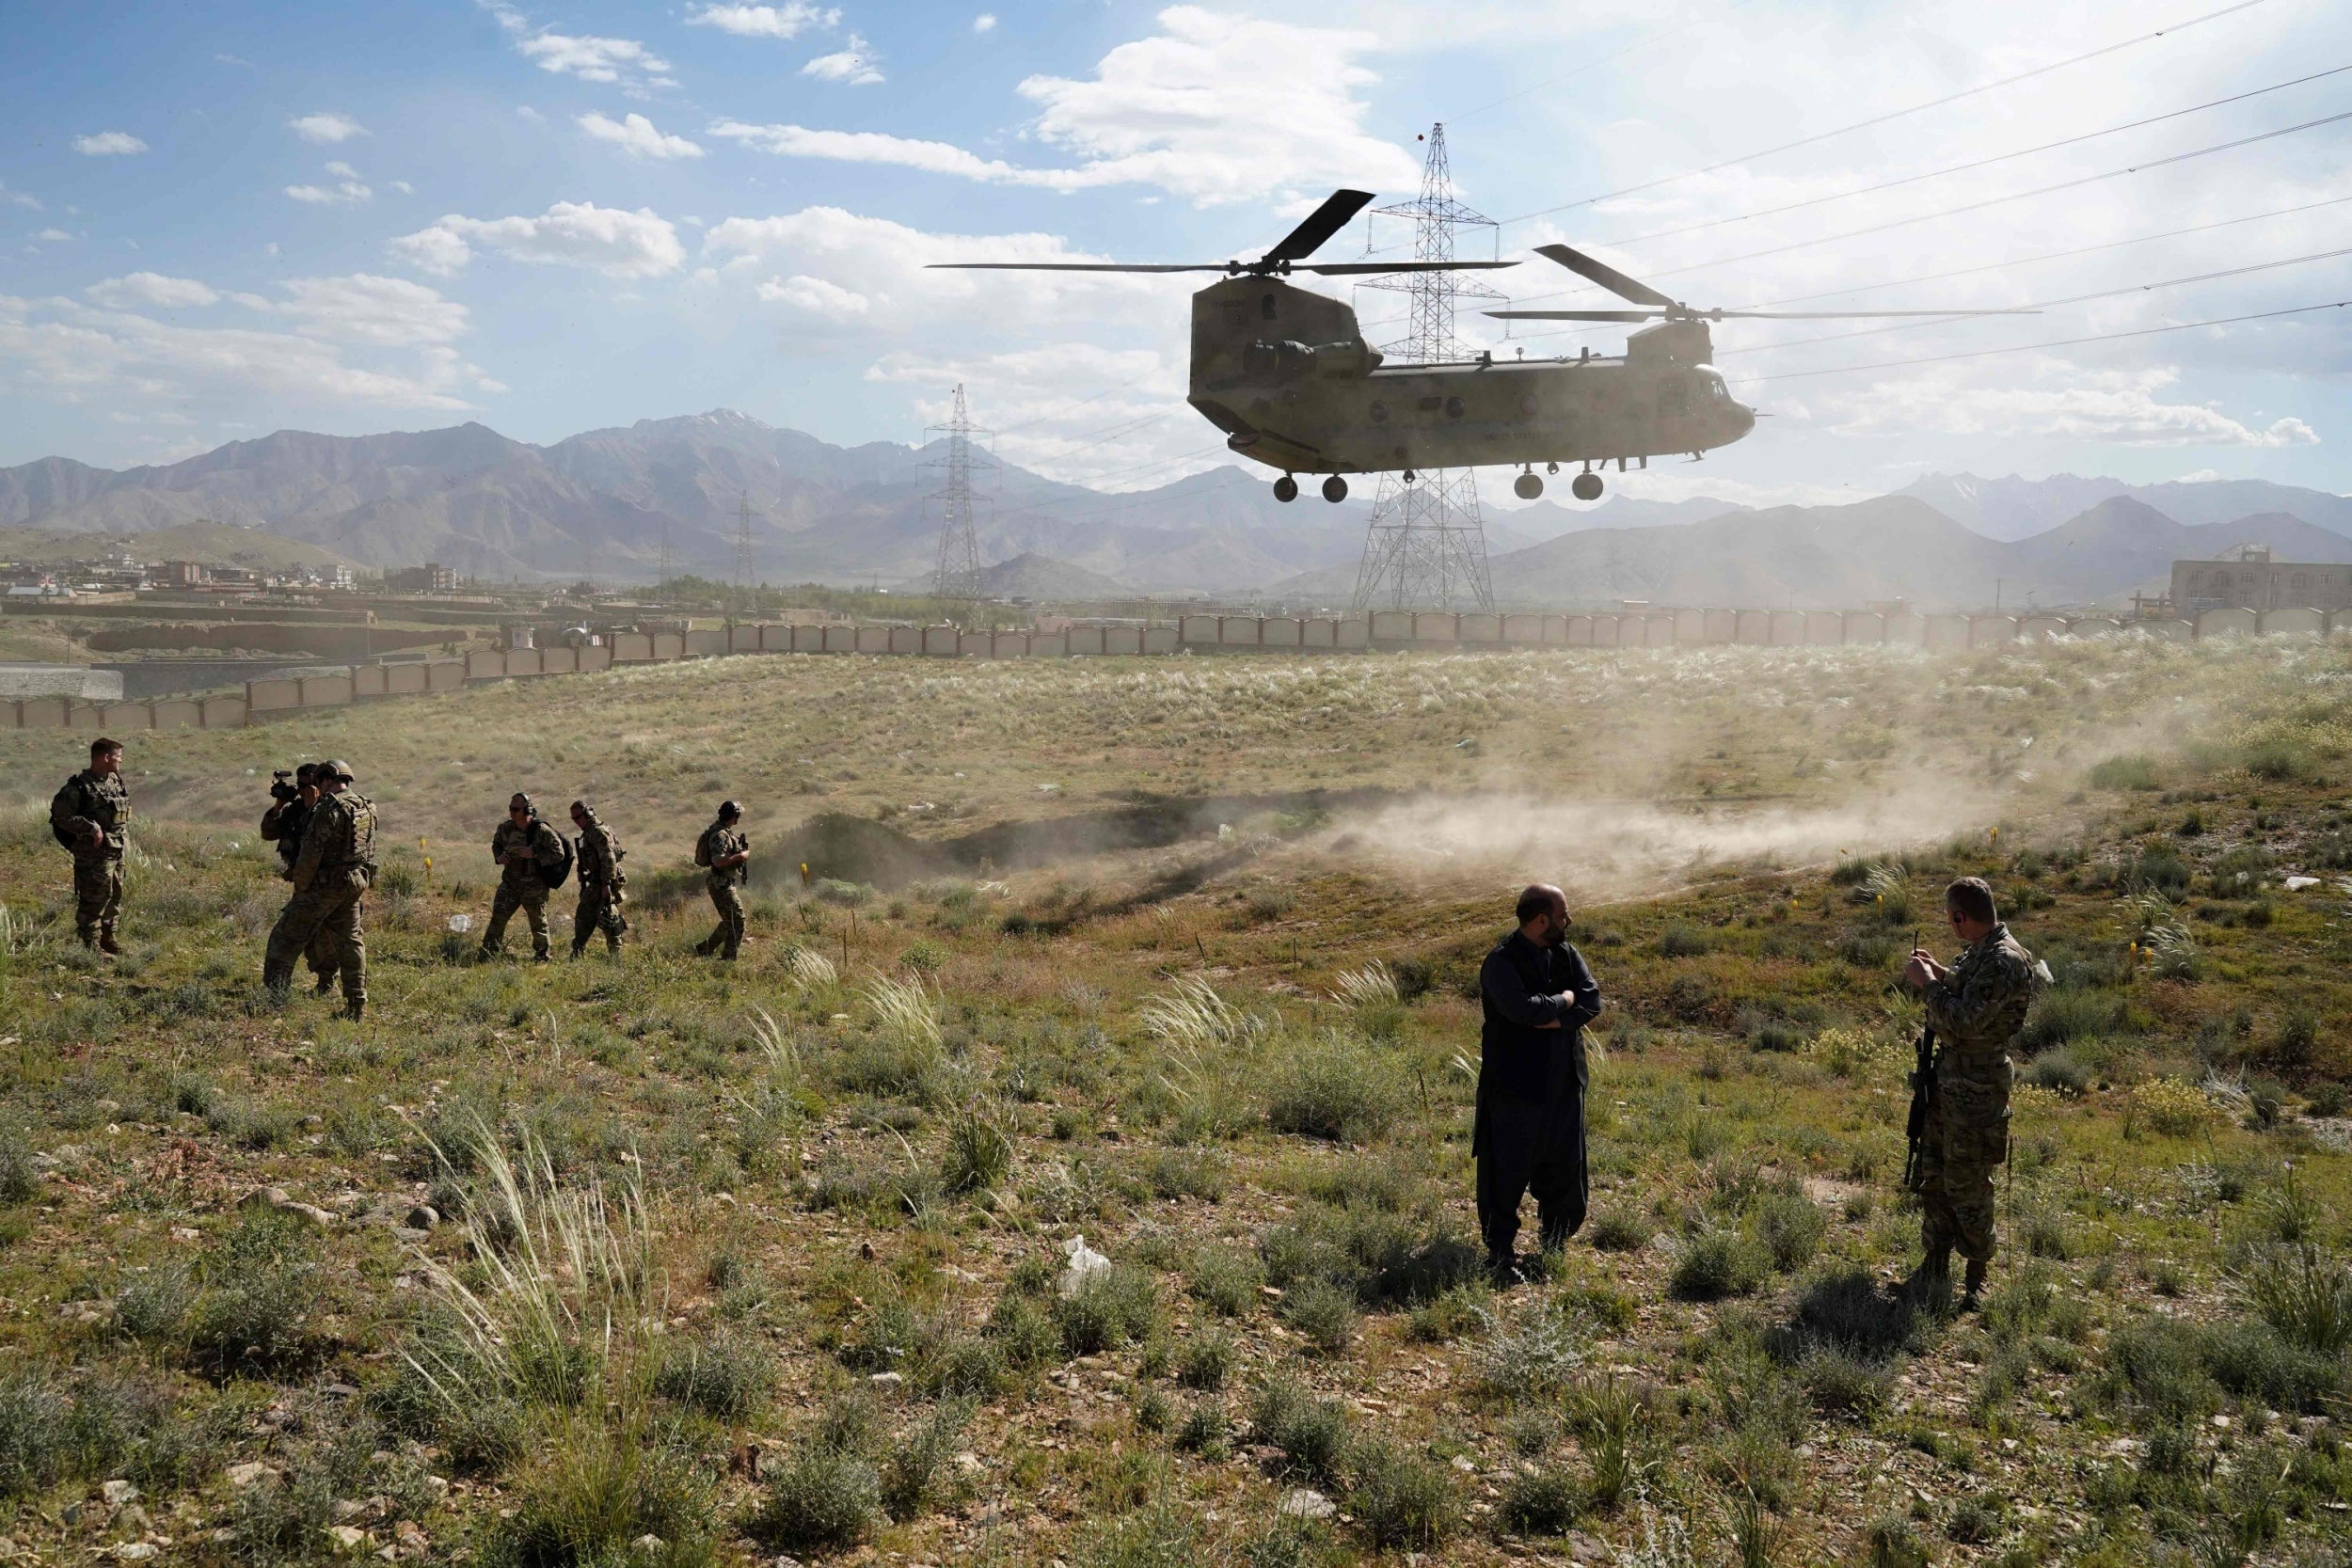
(1603, 274)
(1847, 315)
(1078, 266)
(1319, 226)
(1577, 315)
(1337, 269)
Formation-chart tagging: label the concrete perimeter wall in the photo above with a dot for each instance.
(285, 697)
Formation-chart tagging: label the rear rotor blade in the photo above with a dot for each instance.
(1606, 276)
(1319, 226)
(1078, 266)
(1577, 315)
(1340, 269)
(1847, 315)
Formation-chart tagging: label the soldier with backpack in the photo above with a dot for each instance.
(91, 816)
(602, 882)
(534, 860)
(725, 850)
(331, 876)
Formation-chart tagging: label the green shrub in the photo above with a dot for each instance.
(2156, 869)
(1842, 1383)
(724, 1376)
(1163, 1536)
(2060, 1071)
(1621, 1229)
(152, 1307)
(591, 1492)
(2136, 771)
(1401, 1499)
(2281, 761)
(1334, 1089)
(824, 1497)
(20, 1181)
(1323, 1315)
(258, 1286)
(2063, 1015)
(1541, 1501)
(1681, 941)
(1202, 1430)
(1224, 1279)
(1310, 1433)
(1111, 1309)
(979, 1153)
(1025, 1332)
(1206, 1362)
(2305, 1294)
(1715, 1264)
(909, 1477)
(1790, 1226)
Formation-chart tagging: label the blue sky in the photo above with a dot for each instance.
(217, 221)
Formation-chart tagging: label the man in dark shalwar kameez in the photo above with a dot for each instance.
(1538, 995)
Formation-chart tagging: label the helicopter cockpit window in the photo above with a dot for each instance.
(1265, 306)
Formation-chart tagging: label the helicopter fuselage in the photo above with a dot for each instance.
(1285, 373)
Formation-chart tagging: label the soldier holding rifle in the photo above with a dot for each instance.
(1960, 1094)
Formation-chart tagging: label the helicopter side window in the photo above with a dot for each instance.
(1265, 306)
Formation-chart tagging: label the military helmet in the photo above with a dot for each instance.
(729, 810)
(334, 769)
(518, 798)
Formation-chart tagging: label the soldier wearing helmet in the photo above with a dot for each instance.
(725, 852)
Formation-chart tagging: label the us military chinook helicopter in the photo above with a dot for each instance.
(1286, 374)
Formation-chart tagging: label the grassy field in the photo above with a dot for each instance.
(666, 1262)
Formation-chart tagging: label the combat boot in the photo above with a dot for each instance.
(1972, 1286)
(355, 1007)
(106, 942)
(325, 986)
(1932, 1280)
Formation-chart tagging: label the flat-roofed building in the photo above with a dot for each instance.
(2247, 578)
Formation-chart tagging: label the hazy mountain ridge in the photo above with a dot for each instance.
(604, 502)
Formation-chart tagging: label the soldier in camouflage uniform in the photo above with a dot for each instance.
(283, 825)
(331, 876)
(602, 882)
(1975, 1007)
(91, 816)
(727, 851)
(526, 847)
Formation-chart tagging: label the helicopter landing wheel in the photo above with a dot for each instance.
(1527, 486)
(1585, 488)
(1335, 489)
(1551, 468)
(1408, 476)
(1286, 489)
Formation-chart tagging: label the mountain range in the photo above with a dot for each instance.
(607, 503)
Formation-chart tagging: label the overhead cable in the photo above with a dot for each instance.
(1961, 272)
(1976, 162)
(2055, 342)
(1893, 113)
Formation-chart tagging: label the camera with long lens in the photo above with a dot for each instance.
(281, 785)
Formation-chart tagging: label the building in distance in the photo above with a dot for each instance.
(2246, 578)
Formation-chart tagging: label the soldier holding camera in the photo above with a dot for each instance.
(293, 797)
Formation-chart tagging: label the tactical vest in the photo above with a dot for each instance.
(353, 846)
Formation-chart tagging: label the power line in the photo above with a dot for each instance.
(1987, 202)
(1971, 271)
(2057, 343)
(1977, 162)
(1892, 115)
(2048, 303)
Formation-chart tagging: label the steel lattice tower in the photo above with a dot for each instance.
(958, 576)
(1427, 547)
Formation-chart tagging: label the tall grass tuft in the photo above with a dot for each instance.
(904, 1011)
(1194, 1016)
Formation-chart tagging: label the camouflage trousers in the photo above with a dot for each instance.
(1962, 1150)
(726, 939)
(97, 896)
(597, 912)
(532, 902)
(320, 921)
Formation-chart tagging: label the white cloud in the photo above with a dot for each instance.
(2050, 397)
(52, 235)
(74, 353)
(596, 59)
(527, 112)
(404, 187)
(151, 288)
(1168, 111)
(816, 296)
(231, 59)
(108, 144)
(853, 66)
(361, 308)
(342, 170)
(2198, 475)
(345, 192)
(787, 20)
(327, 129)
(635, 135)
(19, 198)
(609, 240)
(984, 23)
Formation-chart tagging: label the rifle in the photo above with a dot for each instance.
(1922, 1097)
